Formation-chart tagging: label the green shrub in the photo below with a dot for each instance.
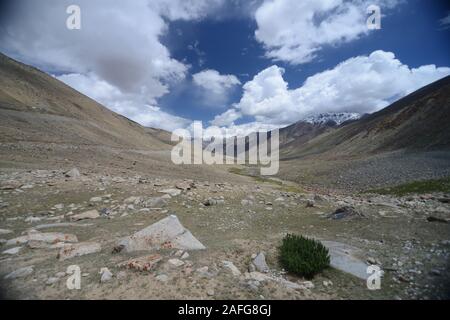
(302, 256)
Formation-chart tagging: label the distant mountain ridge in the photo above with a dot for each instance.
(336, 118)
(419, 122)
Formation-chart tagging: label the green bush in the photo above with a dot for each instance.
(302, 256)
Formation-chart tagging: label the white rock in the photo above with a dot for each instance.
(52, 280)
(5, 231)
(162, 278)
(15, 250)
(49, 237)
(231, 267)
(171, 192)
(176, 262)
(74, 173)
(260, 263)
(78, 249)
(185, 255)
(166, 233)
(91, 214)
(95, 199)
(106, 275)
(20, 273)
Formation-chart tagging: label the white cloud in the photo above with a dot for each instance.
(362, 84)
(445, 22)
(215, 87)
(117, 51)
(227, 118)
(133, 106)
(295, 31)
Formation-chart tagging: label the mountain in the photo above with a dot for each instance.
(333, 118)
(417, 122)
(35, 107)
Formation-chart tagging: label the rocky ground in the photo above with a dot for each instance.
(53, 219)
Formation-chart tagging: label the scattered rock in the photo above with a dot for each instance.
(166, 233)
(106, 275)
(345, 258)
(20, 273)
(95, 199)
(51, 281)
(50, 237)
(145, 263)
(162, 278)
(73, 173)
(12, 251)
(310, 204)
(210, 292)
(436, 219)
(78, 249)
(246, 202)
(345, 212)
(5, 231)
(10, 185)
(260, 263)
(171, 192)
(91, 214)
(231, 267)
(175, 262)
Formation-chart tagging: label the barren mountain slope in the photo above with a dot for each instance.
(418, 122)
(36, 107)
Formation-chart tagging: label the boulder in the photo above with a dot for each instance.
(232, 268)
(20, 273)
(106, 275)
(49, 237)
(345, 212)
(175, 262)
(5, 231)
(145, 263)
(73, 173)
(166, 233)
(260, 263)
(91, 214)
(78, 249)
(12, 251)
(347, 259)
(171, 192)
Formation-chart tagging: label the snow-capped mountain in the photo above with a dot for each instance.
(337, 118)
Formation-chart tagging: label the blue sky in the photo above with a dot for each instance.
(241, 65)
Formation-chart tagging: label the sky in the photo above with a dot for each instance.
(243, 65)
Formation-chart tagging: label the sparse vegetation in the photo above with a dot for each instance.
(302, 256)
(420, 187)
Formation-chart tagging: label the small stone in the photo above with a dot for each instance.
(210, 292)
(91, 214)
(12, 251)
(52, 280)
(5, 231)
(95, 199)
(74, 173)
(162, 278)
(20, 273)
(260, 263)
(106, 275)
(175, 262)
(185, 255)
(231, 267)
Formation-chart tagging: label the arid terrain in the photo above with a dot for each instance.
(77, 179)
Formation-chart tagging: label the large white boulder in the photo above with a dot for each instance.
(166, 233)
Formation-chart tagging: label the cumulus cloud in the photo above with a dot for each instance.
(362, 84)
(445, 22)
(295, 31)
(215, 86)
(133, 106)
(117, 50)
(227, 118)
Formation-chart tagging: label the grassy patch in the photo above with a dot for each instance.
(302, 256)
(420, 187)
(242, 172)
